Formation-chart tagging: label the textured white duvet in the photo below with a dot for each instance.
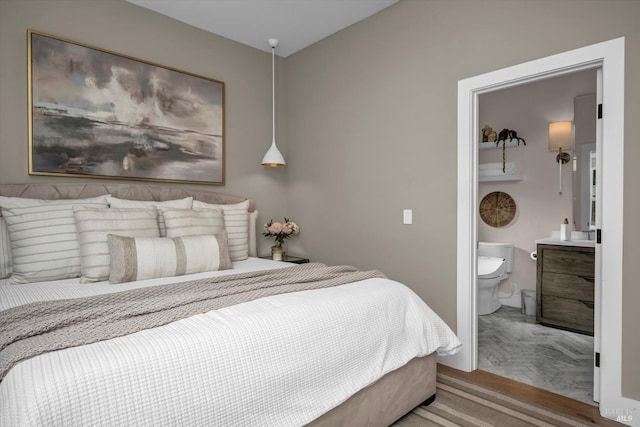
(277, 361)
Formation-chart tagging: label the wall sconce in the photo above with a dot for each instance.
(560, 139)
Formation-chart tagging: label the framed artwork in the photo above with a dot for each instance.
(99, 114)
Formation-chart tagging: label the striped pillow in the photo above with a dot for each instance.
(5, 250)
(94, 225)
(43, 237)
(192, 222)
(236, 222)
(185, 203)
(140, 258)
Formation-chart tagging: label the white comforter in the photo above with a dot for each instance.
(277, 361)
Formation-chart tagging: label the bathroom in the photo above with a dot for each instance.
(539, 196)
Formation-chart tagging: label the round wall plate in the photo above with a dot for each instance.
(497, 209)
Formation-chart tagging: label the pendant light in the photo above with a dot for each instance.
(273, 158)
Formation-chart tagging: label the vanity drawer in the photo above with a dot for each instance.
(568, 286)
(568, 313)
(575, 262)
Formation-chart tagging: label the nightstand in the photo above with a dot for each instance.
(291, 258)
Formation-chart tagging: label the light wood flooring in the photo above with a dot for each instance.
(514, 346)
(534, 395)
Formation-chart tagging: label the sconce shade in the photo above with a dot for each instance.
(560, 136)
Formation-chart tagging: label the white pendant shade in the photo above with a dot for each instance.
(273, 158)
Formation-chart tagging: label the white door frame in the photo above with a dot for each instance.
(609, 56)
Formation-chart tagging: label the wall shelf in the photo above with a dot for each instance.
(487, 145)
(500, 178)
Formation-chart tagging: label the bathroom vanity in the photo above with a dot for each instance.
(565, 284)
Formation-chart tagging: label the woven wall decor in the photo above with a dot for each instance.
(497, 209)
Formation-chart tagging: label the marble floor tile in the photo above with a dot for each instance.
(514, 346)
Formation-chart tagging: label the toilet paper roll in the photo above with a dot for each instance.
(534, 255)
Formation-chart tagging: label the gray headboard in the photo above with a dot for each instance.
(122, 191)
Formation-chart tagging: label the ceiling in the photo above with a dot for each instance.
(295, 23)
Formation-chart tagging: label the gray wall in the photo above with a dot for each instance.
(371, 129)
(367, 120)
(124, 28)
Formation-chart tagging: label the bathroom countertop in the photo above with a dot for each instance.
(556, 241)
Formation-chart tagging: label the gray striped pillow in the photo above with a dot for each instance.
(236, 222)
(44, 241)
(94, 225)
(185, 203)
(140, 258)
(192, 222)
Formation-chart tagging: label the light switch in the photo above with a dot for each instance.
(407, 216)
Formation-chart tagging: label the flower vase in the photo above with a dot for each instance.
(277, 253)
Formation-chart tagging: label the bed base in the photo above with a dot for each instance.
(388, 399)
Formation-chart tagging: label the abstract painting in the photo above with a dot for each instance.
(99, 114)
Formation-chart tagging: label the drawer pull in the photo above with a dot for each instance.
(588, 303)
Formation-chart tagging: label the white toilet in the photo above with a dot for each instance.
(495, 262)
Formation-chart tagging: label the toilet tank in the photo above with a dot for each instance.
(498, 250)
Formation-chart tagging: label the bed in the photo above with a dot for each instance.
(354, 349)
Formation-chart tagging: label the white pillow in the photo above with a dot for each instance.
(23, 202)
(94, 225)
(185, 203)
(192, 222)
(236, 222)
(43, 237)
(140, 258)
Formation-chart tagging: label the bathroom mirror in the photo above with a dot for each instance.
(584, 156)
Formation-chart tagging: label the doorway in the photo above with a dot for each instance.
(510, 343)
(610, 57)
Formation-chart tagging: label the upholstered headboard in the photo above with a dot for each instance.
(133, 191)
(122, 191)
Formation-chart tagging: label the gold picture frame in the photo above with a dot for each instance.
(94, 113)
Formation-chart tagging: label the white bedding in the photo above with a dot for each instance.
(278, 361)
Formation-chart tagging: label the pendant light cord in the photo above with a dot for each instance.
(273, 92)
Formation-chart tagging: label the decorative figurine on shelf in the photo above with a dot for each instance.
(281, 231)
(488, 134)
(511, 134)
(502, 137)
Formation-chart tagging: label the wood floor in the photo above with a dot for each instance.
(534, 395)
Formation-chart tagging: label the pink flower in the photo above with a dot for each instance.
(275, 228)
(281, 231)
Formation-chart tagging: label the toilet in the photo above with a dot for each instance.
(495, 262)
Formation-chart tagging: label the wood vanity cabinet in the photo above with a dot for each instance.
(564, 287)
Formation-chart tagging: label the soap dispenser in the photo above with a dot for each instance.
(565, 233)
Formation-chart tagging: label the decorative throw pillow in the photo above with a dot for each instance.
(192, 222)
(94, 225)
(140, 258)
(43, 237)
(185, 203)
(236, 222)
